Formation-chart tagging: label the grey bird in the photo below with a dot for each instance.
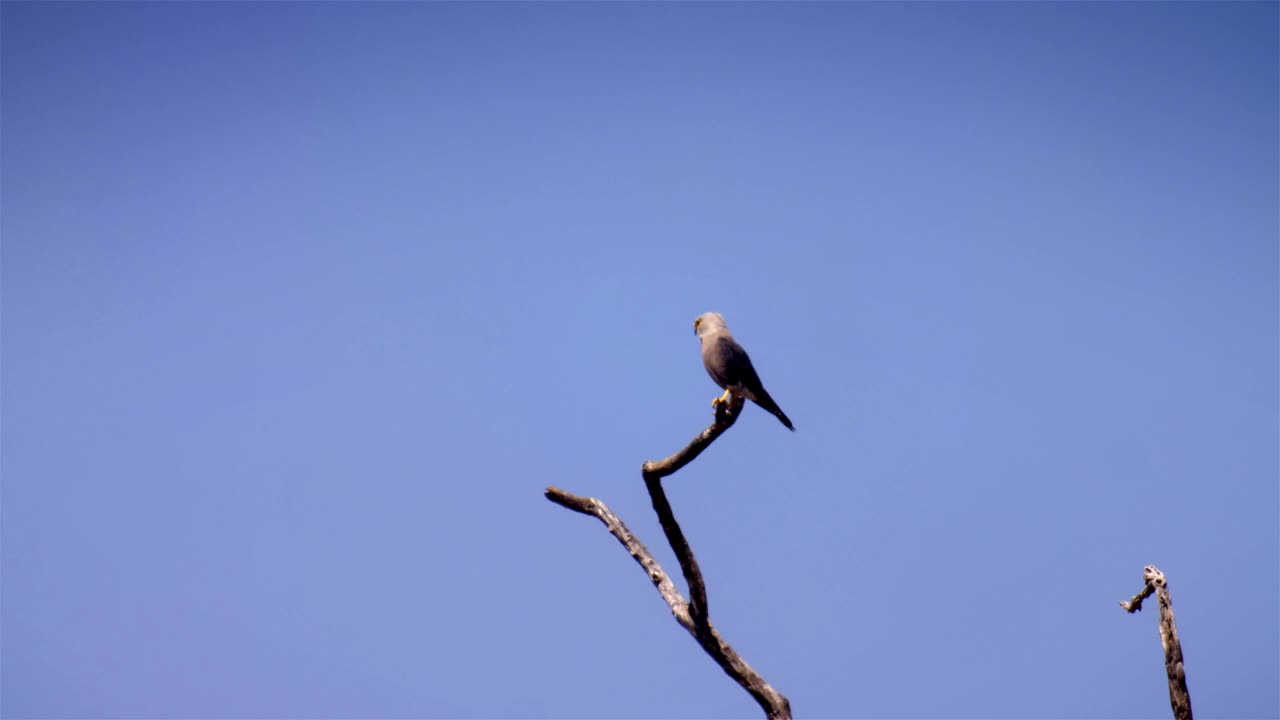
(727, 363)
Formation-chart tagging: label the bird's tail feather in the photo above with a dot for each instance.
(763, 400)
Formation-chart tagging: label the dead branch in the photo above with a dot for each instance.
(641, 554)
(1154, 582)
(653, 472)
(1134, 604)
(691, 615)
(726, 416)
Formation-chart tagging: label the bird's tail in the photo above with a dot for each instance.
(763, 400)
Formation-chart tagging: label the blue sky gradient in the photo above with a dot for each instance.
(305, 303)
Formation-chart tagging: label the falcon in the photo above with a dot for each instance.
(727, 363)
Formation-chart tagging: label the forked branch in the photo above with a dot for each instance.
(1154, 582)
(691, 615)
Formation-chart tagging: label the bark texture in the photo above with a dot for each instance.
(692, 615)
(1154, 582)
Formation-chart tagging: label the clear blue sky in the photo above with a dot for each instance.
(305, 303)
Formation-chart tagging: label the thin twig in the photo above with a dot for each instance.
(1154, 582)
(1134, 604)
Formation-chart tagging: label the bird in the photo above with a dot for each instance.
(728, 364)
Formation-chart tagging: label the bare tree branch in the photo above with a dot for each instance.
(726, 416)
(691, 615)
(641, 554)
(653, 472)
(1134, 604)
(1179, 697)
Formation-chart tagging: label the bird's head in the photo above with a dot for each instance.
(708, 322)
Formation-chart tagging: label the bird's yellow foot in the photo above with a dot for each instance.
(722, 399)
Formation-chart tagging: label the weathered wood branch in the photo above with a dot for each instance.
(726, 416)
(691, 615)
(653, 472)
(641, 554)
(1134, 604)
(1154, 582)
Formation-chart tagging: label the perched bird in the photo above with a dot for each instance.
(727, 363)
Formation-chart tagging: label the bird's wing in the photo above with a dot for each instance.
(754, 388)
(728, 364)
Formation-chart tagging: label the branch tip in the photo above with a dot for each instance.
(1154, 582)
